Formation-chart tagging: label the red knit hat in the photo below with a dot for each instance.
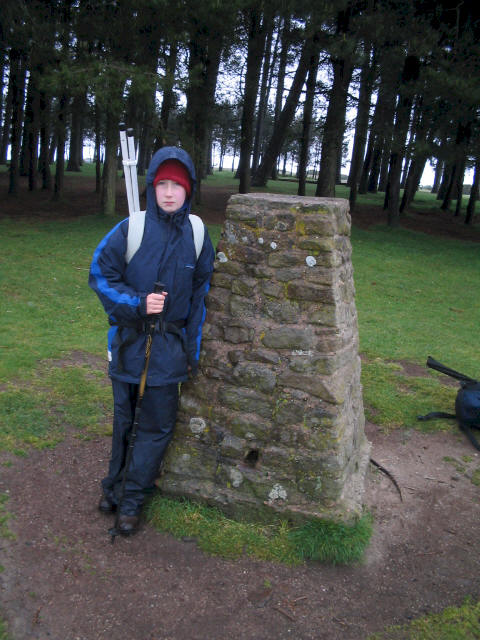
(176, 171)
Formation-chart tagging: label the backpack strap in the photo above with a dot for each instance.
(136, 226)
(198, 232)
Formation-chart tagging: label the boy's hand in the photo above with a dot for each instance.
(155, 302)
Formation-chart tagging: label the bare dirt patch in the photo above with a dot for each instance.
(63, 578)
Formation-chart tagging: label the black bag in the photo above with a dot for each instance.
(467, 402)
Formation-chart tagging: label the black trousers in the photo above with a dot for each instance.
(154, 432)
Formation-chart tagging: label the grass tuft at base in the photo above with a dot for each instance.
(323, 541)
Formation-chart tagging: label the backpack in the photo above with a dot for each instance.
(467, 402)
(136, 225)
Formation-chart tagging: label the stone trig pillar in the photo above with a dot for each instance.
(274, 422)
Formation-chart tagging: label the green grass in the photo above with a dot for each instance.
(414, 299)
(394, 400)
(322, 541)
(4, 635)
(454, 623)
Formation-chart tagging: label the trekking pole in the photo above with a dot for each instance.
(127, 163)
(152, 321)
(133, 169)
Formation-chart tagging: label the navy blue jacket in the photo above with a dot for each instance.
(166, 254)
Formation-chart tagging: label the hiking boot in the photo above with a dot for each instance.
(128, 525)
(106, 505)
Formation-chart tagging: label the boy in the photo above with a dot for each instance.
(166, 254)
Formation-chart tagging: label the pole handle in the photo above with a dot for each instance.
(158, 287)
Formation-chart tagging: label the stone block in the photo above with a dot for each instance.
(245, 400)
(256, 376)
(288, 338)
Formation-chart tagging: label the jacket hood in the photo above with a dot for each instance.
(168, 153)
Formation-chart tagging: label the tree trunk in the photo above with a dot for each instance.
(2, 80)
(334, 128)
(109, 178)
(450, 186)
(438, 176)
(61, 139)
(5, 134)
(307, 123)
(31, 129)
(204, 62)
(75, 158)
(44, 165)
(264, 93)
(376, 165)
(461, 144)
(168, 99)
(445, 181)
(367, 162)
(410, 74)
(367, 77)
(18, 73)
(256, 44)
(282, 67)
(412, 182)
(98, 162)
(420, 141)
(280, 130)
(459, 187)
(382, 123)
(473, 194)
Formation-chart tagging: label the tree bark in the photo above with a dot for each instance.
(445, 181)
(473, 193)
(438, 176)
(264, 93)
(382, 123)
(334, 127)
(410, 74)
(307, 123)
(204, 61)
(367, 76)
(61, 139)
(7, 119)
(75, 157)
(44, 164)
(18, 72)
(168, 99)
(256, 44)
(31, 129)
(459, 187)
(412, 182)
(109, 178)
(282, 67)
(98, 162)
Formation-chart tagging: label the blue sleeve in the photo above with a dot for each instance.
(122, 304)
(201, 285)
